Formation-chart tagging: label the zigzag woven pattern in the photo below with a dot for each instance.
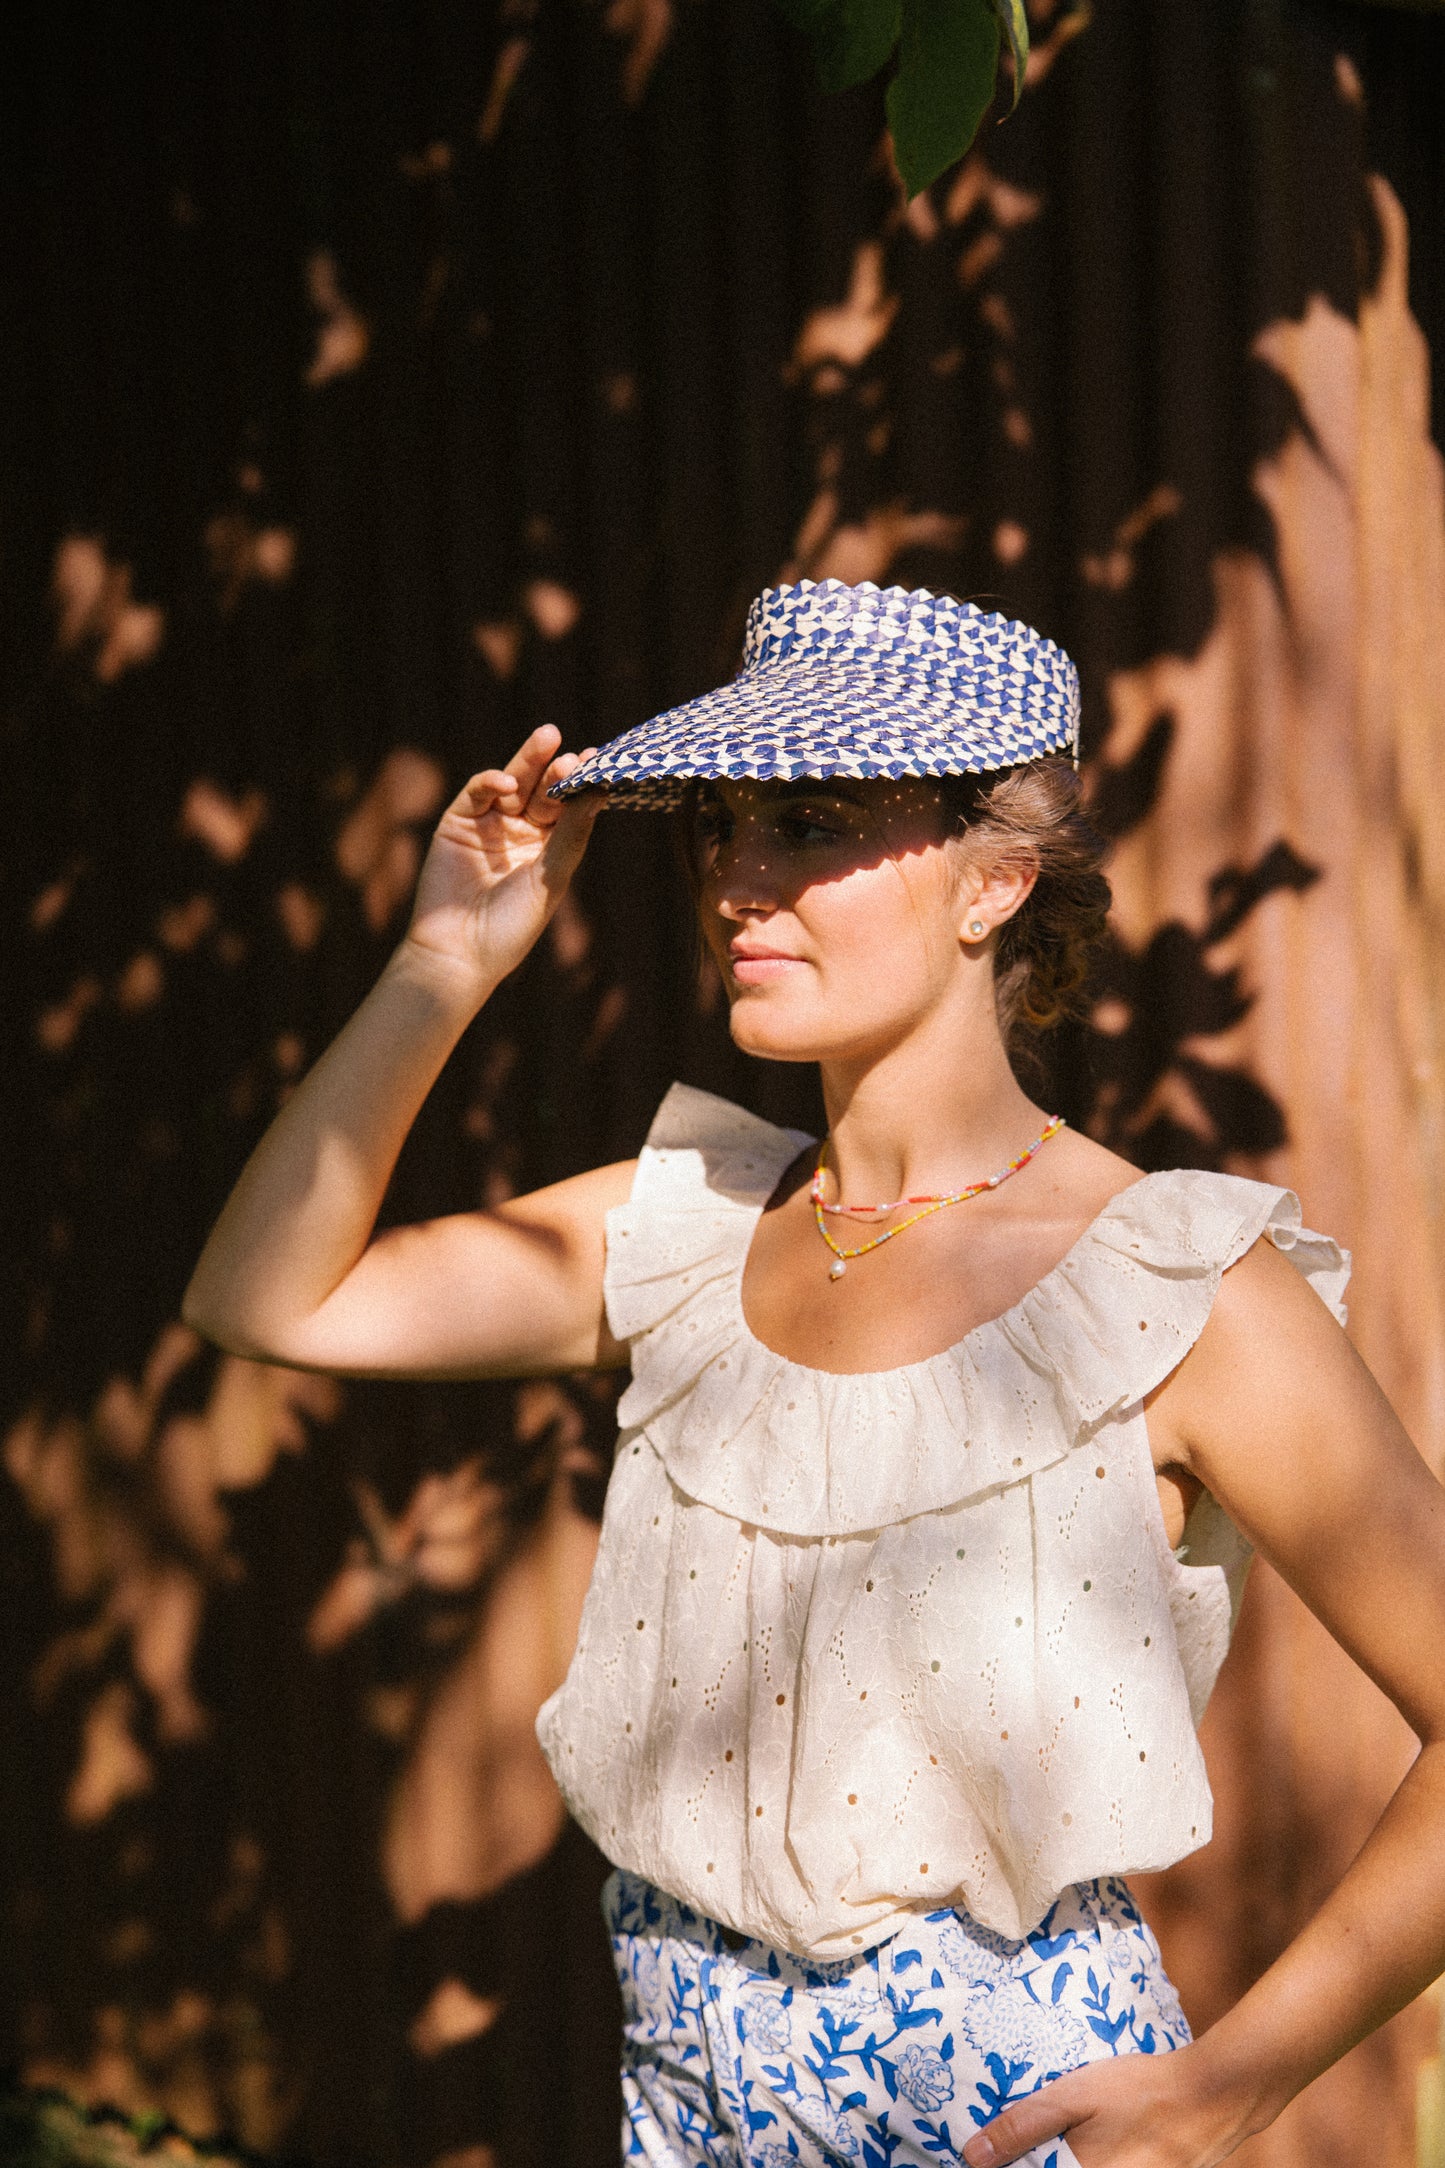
(857, 681)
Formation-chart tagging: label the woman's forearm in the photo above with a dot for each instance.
(1373, 1946)
(306, 1203)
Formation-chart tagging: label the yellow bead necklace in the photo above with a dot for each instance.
(842, 1257)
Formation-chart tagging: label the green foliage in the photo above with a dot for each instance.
(853, 40)
(948, 53)
(1014, 24)
(947, 70)
(947, 65)
(48, 2130)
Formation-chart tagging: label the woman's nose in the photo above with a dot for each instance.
(737, 891)
(734, 907)
(740, 880)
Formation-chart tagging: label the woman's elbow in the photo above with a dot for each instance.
(207, 1311)
(204, 1309)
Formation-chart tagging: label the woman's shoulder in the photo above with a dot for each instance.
(690, 1116)
(1085, 1202)
(1200, 1222)
(703, 1148)
(1095, 1180)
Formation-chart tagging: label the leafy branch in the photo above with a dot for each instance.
(948, 59)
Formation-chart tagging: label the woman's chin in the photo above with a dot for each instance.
(767, 1031)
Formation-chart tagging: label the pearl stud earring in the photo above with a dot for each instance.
(976, 927)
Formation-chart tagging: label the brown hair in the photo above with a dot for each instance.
(1046, 950)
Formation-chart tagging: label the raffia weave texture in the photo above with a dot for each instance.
(854, 681)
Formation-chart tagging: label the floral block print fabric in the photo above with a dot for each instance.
(747, 2057)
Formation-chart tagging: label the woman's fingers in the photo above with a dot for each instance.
(571, 831)
(1029, 2122)
(541, 810)
(486, 790)
(547, 811)
(509, 789)
(529, 763)
(520, 789)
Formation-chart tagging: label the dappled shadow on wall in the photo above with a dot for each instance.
(395, 1634)
(1280, 1012)
(289, 1858)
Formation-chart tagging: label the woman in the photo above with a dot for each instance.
(944, 1451)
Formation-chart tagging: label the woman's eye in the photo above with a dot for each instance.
(795, 827)
(805, 826)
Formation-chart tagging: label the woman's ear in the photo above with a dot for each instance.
(993, 889)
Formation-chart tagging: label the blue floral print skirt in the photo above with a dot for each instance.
(738, 2055)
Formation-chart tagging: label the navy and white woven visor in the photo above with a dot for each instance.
(853, 681)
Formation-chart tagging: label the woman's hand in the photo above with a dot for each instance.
(500, 861)
(1134, 2111)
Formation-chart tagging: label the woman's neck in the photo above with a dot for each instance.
(924, 1117)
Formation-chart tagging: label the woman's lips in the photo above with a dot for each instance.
(756, 967)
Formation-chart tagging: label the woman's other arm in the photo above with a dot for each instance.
(291, 1273)
(1275, 1413)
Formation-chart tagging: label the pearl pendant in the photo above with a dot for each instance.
(837, 1269)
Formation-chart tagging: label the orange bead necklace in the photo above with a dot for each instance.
(929, 1205)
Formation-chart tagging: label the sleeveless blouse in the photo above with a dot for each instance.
(856, 1647)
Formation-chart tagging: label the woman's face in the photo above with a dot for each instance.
(833, 911)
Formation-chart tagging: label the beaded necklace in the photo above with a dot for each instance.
(929, 1205)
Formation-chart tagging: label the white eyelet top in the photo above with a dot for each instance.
(860, 1646)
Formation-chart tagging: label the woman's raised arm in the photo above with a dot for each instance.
(291, 1273)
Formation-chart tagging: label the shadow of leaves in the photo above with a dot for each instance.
(1154, 1093)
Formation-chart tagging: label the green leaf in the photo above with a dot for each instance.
(1014, 24)
(947, 67)
(854, 38)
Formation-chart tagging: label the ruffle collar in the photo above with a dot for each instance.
(807, 1452)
